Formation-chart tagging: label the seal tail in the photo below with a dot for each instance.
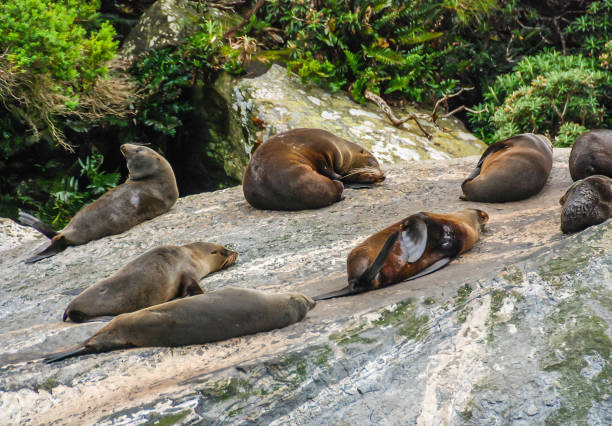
(34, 222)
(58, 356)
(369, 273)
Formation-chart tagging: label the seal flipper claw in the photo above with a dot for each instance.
(431, 268)
(189, 287)
(58, 356)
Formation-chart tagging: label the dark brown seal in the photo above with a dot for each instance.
(204, 318)
(149, 191)
(510, 170)
(592, 155)
(304, 169)
(587, 202)
(159, 275)
(416, 246)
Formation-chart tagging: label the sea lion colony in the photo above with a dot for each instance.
(419, 244)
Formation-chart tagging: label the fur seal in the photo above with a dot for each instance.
(304, 169)
(159, 275)
(204, 318)
(418, 245)
(592, 155)
(587, 202)
(149, 191)
(510, 170)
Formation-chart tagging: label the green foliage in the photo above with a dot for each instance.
(591, 31)
(541, 94)
(568, 133)
(67, 195)
(384, 46)
(53, 57)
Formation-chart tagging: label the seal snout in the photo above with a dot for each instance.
(231, 257)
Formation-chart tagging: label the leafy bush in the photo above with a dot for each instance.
(568, 133)
(54, 58)
(542, 93)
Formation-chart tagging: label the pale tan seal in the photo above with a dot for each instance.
(510, 170)
(418, 245)
(304, 169)
(149, 191)
(159, 275)
(195, 320)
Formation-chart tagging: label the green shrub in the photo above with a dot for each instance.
(54, 58)
(542, 93)
(568, 133)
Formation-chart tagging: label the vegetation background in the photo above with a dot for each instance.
(68, 102)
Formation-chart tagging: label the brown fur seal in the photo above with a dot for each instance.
(416, 246)
(204, 318)
(587, 202)
(592, 155)
(303, 169)
(157, 276)
(149, 191)
(510, 170)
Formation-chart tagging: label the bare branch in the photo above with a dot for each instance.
(394, 120)
(446, 98)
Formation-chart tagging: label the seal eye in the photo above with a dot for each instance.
(213, 252)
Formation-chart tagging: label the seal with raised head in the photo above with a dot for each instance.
(586, 203)
(305, 169)
(418, 245)
(510, 170)
(592, 155)
(149, 191)
(204, 318)
(159, 275)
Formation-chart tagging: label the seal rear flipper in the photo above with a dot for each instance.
(189, 287)
(58, 356)
(34, 222)
(431, 268)
(57, 245)
(369, 274)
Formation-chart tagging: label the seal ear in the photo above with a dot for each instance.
(413, 238)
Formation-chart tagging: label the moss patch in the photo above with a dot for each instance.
(48, 384)
(405, 316)
(567, 263)
(167, 420)
(351, 336)
(429, 301)
(232, 388)
(577, 337)
(321, 357)
(513, 275)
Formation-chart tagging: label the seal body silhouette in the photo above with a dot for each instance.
(418, 245)
(159, 275)
(149, 191)
(204, 318)
(587, 202)
(510, 170)
(304, 169)
(592, 155)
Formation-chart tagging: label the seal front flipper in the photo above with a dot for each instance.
(57, 245)
(413, 239)
(58, 356)
(368, 275)
(431, 268)
(189, 287)
(34, 222)
(489, 151)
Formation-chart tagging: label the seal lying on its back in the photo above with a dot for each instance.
(303, 169)
(211, 317)
(157, 276)
(416, 246)
(149, 191)
(592, 155)
(510, 170)
(587, 202)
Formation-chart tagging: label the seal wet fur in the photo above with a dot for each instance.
(510, 170)
(592, 155)
(418, 245)
(157, 276)
(586, 203)
(195, 320)
(149, 191)
(305, 169)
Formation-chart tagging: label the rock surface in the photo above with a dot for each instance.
(277, 101)
(517, 330)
